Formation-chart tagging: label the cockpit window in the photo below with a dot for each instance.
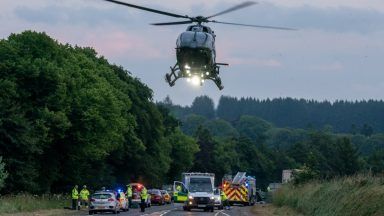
(196, 28)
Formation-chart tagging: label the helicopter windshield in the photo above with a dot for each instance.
(196, 29)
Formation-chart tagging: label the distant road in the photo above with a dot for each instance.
(170, 210)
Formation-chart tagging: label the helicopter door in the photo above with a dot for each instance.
(180, 192)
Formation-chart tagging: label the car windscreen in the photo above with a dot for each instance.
(200, 185)
(102, 196)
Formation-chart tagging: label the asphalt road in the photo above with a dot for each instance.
(171, 210)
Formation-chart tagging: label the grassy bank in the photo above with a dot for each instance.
(358, 195)
(30, 203)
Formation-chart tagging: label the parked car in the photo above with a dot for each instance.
(218, 202)
(104, 201)
(156, 196)
(136, 199)
(167, 197)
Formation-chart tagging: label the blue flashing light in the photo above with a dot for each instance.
(119, 190)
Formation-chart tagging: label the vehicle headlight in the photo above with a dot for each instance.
(190, 197)
(212, 198)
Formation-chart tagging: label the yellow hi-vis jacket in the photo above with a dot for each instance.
(129, 192)
(75, 194)
(144, 194)
(84, 194)
(223, 196)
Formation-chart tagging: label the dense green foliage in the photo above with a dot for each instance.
(356, 195)
(249, 143)
(3, 173)
(359, 117)
(69, 117)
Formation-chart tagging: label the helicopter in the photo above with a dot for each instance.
(195, 48)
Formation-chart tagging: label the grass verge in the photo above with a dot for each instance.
(11, 204)
(271, 210)
(357, 195)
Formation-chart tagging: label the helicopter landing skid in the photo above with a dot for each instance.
(172, 77)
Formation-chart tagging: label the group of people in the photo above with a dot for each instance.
(82, 198)
(79, 199)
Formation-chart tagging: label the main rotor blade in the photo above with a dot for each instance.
(148, 9)
(256, 26)
(172, 23)
(237, 7)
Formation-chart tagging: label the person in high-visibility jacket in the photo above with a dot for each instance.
(224, 200)
(129, 195)
(84, 196)
(144, 197)
(75, 197)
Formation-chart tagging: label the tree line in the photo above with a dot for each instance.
(364, 117)
(252, 144)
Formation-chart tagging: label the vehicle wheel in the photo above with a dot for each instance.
(114, 212)
(90, 212)
(212, 209)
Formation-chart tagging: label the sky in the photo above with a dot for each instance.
(336, 54)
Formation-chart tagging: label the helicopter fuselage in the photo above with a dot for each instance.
(195, 52)
(196, 48)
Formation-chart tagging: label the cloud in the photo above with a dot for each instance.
(335, 19)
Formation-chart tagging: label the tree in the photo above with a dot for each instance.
(183, 153)
(252, 127)
(192, 123)
(3, 173)
(366, 130)
(221, 128)
(203, 106)
(204, 159)
(348, 157)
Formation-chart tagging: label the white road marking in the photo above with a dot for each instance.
(160, 213)
(222, 212)
(225, 213)
(219, 212)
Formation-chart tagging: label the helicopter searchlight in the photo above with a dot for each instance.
(195, 48)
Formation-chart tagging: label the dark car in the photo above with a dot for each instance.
(156, 197)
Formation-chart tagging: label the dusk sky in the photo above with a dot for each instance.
(337, 53)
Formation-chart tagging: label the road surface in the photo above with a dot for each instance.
(171, 210)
